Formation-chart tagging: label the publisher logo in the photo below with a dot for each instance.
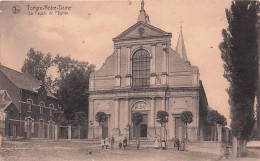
(16, 9)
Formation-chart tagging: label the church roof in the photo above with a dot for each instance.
(23, 81)
(180, 48)
(141, 30)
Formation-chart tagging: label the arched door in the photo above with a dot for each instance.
(140, 130)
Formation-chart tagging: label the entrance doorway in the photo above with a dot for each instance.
(141, 129)
(178, 130)
(104, 129)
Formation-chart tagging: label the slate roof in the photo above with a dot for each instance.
(23, 81)
(5, 100)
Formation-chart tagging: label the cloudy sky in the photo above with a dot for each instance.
(86, 33)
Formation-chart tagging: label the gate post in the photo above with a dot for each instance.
(56, 132)
(69, 132)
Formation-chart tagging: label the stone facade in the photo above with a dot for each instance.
(173, 85)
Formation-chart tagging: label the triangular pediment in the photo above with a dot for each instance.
(141, 30)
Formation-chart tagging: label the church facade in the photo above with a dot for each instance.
(144, 74)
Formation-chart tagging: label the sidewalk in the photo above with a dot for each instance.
(253, 144)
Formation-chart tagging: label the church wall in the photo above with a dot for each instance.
(104, 83)
(159, 58)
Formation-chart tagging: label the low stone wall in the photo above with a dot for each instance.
(206, 146)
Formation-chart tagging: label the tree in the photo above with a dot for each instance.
(36, 64)
(162, 118)
(73, 91)
(80, 118)
(137, 118)
(239, 51)
(101, 117)
(186, 118)
(213, 119)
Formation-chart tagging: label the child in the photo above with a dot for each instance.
(120, 144)
(125, 143)
(137, 143)
(156, 143)
(102, 143)
(107, 142)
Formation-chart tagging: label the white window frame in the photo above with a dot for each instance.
(41, 107)
(29, 103)
(51, 106)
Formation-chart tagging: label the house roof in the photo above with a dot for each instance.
(23, 81)
(5, 100)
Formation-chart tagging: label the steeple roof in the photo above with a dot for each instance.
(143, 16)
(180, 48)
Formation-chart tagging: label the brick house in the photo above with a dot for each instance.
(144, 74)
(26, 107)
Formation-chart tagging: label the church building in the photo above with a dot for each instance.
(144, 74)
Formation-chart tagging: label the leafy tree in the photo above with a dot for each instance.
(162, 118)
(36, 64)
(213, 119)
(239, 51)
(137, 118)
(59, 118)
(186, 118)
(73, 91)
(80, 118)
(101, 117)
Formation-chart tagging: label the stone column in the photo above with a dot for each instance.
(56, 132)
(153, 74)
(91, 120)
(127, 111)
(152, 113)
(118, 74)
(152, 118)
(164, 69)
(69, 132)
(163, 104)
(219, 127)
(118, 60)
(128, 68)
(116, 114)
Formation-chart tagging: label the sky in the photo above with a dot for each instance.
(86, 33)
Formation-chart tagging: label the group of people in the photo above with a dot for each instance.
(180, 145)
(106, 143)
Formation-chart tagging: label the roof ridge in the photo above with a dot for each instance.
(20, 72)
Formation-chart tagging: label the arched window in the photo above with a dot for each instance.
(141, 68)
(41, 107)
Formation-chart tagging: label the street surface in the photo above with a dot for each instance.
(42, 150)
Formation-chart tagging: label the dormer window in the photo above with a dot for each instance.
(29, 105)
(41, 107)
(141, 68)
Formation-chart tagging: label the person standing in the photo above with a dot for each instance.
(182, 145)
(107, 142)
(137, 143)
(102, 143)
(177, 142)
(125, 143)
(156, 143)
(112, 142)
(1, 139)
(120, 144)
